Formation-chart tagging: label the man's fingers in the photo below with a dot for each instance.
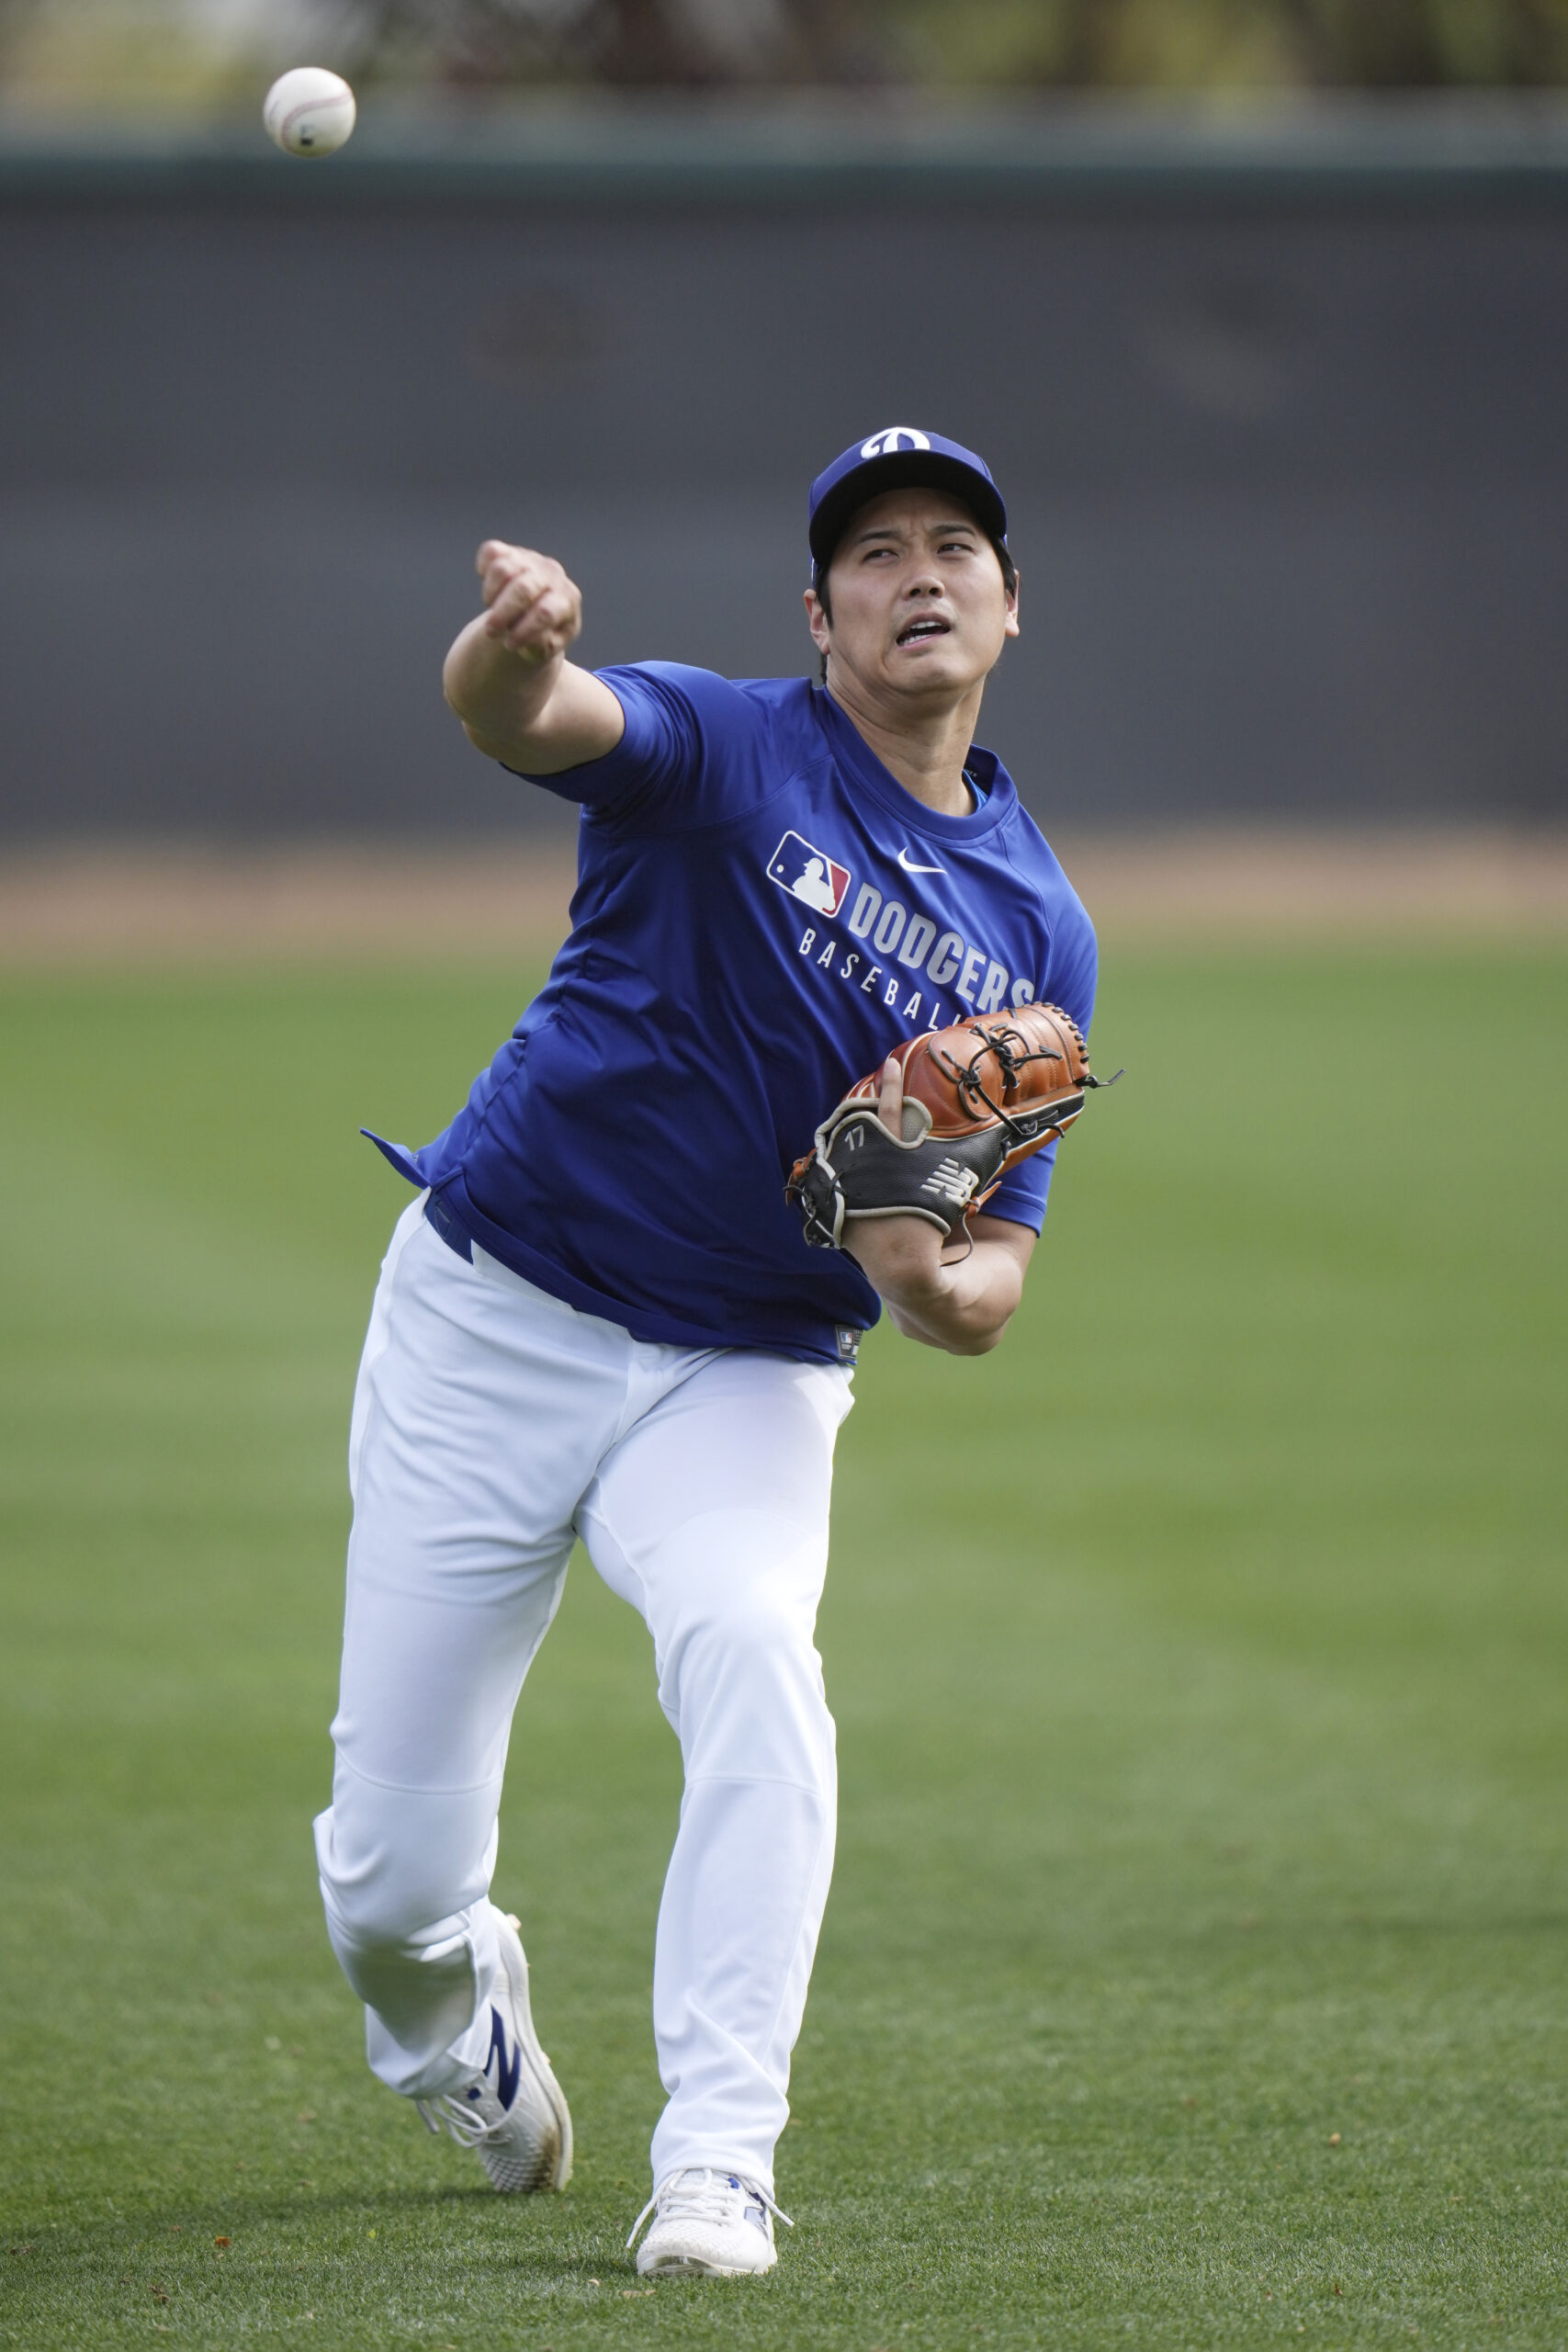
(527, 609)
(517, 579)
(513, 599)
(546, 622)
(500, 567)
(494, 553)
(532, 606)
(556, 620)
(890, 1097)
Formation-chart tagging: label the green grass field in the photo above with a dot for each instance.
(1194, 1974)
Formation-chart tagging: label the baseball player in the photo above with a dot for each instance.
(600, 1319)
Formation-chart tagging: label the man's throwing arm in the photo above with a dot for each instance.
(507, 677)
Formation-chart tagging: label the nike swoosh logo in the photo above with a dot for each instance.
(505, 2074)
(903, 862)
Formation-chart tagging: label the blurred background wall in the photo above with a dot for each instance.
(1274, 386)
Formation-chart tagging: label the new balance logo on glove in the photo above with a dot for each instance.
(950, 1182)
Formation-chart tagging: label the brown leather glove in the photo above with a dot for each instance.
(977, 1099)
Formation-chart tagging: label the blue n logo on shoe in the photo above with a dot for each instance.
(506, 2070)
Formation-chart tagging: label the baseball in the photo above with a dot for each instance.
(309, 111)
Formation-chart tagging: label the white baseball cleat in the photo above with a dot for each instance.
(707, 2224)
(511, 2114)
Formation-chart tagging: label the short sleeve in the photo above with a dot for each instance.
(696, 750)
(1020, 1196)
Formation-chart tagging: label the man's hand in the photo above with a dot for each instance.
(531, 607)
(507, 676)
(940, 1293)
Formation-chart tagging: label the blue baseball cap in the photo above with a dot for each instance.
(898, 457)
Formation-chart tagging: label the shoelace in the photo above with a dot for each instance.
(446, 2110)
(703, 2195)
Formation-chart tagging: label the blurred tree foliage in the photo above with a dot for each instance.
(1236, 44)
(180, 47)
(1066, 45)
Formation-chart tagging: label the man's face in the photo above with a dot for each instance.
(918, 597)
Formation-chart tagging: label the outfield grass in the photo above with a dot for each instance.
(1194, 1973)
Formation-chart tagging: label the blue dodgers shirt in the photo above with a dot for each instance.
(763, 911)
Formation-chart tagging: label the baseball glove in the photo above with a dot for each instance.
(977, 1099)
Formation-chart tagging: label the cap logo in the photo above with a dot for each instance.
(887, 444)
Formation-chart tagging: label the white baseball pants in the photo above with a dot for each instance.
(493, 1425)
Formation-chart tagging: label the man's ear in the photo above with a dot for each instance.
(1011, 627)
(817, 621)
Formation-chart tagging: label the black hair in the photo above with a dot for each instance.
(820, 572)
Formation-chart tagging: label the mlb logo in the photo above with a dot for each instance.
(808, 875)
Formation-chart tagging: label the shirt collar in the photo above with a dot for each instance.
(866, 770)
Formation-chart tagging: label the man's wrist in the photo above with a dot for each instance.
(963, 1305)
(900, 1257)
(922, 1294)
(491, 687)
